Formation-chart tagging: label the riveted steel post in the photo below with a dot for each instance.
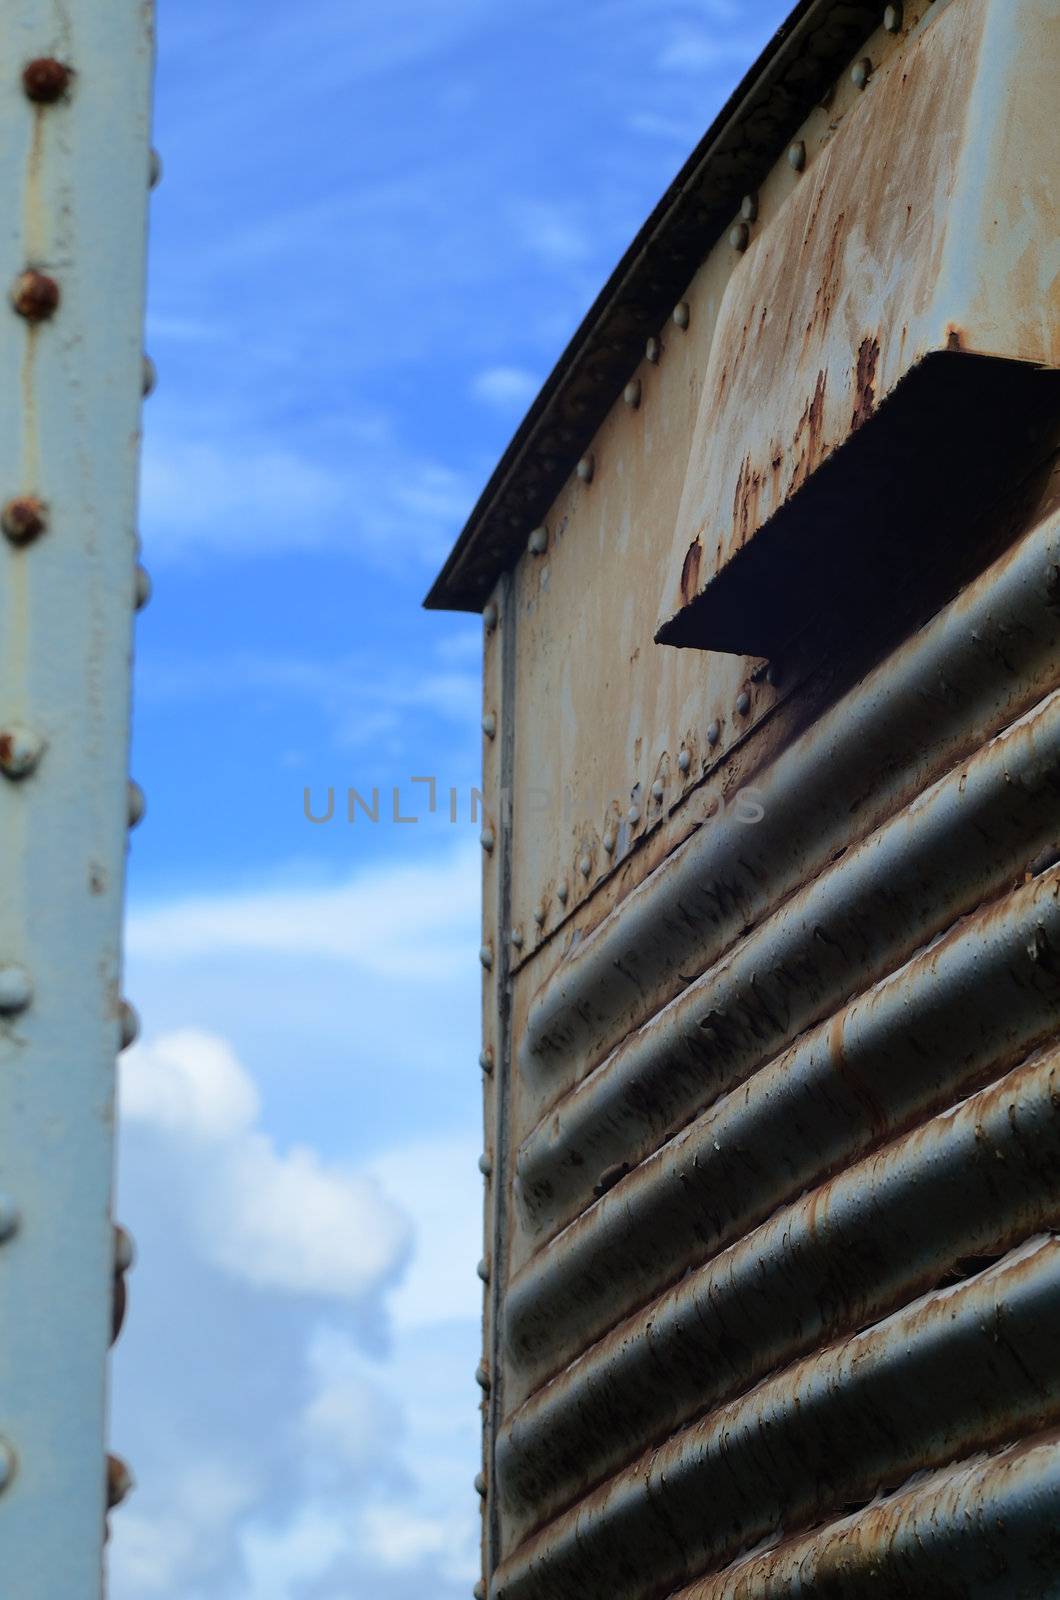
(74, 125)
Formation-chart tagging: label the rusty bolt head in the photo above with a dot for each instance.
(633, 816)
(610, 842)
(563, 894)
(489, 725)
(483, 1270)
(124, 1249)
(714, 733)
(586, 467)
(120, 1482)
(684, 760)
(480, 1483)
(24, 519)
(154, 170)
(517, 938)
(739, 236)
(35, 296)
(772, 674)
(137, 804)
(539, 916)
(485, 1059)
(490, 617)
(585, 866)
(479, 1591)
(9, 1218)
(20, 751)
(149, 381)
(46, 80)
(749, 208)
(861, 72)
(743, 703)
(658, 789)
(141, 588)
(130, 1025)
(631, 394)
(485, 1166)
(487, 839)
(482, 1376)
(892, 19)
(653, 350)
(797, 155)
(485, 955)
(537, 543)
(16, 989)
(681, 314)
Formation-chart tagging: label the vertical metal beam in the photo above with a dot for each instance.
(74, 137)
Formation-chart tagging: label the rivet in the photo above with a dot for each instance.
(586, 467)
(653, 350)
(681, 314)
(485, 1166)
(861, 72)
(482, 1376)
(480, 1483)
(633, 816)
(141, 588)
(485, 1059)
(130, 1025)
(749, 208)
(154, 170)
(632, 392)
(772, 674)
(46, 80)
(9, 1218)
(797, 155)
(487, 839)
(658, 789)
(684, 760)
(120, 1482)
(743, 703)
(539, 916)
(537, 543)
(479, 1592)
(489, 617)
(483, 1270)
(137, 804)
(35, 296)
(20, 751)
(16, 989)
(892, 19)
(24, 519)
(563, 894)
(714, 733)
(7, 1464)
(489, 725)
(517, 938)
(485, 955)
(124, 1249)
(150, 376)
(585, 866)
(739, 236)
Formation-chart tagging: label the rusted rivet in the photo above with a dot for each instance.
(141, 588)
(739, 236)
(487, 839)
(681, 314)
(16, 989)
(653, 350)
(714, 733)
(485, 1059)
(743, 702)
(7, 1464)
(124, 1249)
(35, 296)
(480, 1483)
(120, 1482)
(485, 955)
(797, 155)
(631, 393)
(539, 916)
(483, 1270)
(149, 380)
(537, 543)
(24, 519)
(772, 674)
(749, 208)
(479, 1591)
(485, 1166)
(482, 1376)
(586, 467)
(892, 19)
(684, 760)
(563, 894)
(658, 789)
(633, 816)
(517, 938)
(489, 725)
(154, 170)
(861, 72)
(9, 1218)
(490, 617)
(609, 842)
(137, 804)
(585, 866)
(46, 80)
(130, 1025)
(20, 751)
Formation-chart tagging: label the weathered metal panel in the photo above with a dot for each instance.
(74, 135)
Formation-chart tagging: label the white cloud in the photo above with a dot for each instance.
(505, 388)
(282, 1221)
(159, 1553)
(441, 1191)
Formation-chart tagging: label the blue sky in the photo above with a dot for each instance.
(377, 228)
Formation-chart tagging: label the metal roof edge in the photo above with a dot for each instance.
(798, 65)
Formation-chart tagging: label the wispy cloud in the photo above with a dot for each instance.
(506, 388)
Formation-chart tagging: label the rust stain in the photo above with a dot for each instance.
(865, 401)
(690, 570)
